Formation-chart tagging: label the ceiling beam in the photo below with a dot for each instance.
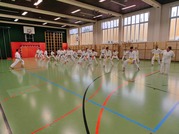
(18, 23)
(153, 3)
(37, 20)
(39, 11)
(90, 7)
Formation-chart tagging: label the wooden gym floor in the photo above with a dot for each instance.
(45, 98)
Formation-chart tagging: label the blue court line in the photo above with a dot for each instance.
(165, 118)
(110, 110)
(121, 115)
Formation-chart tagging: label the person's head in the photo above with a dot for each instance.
(17, 50)
(169, 48)
(114, 50)
(156, 47)
(131, 49)
(93, 50)
(107, 48)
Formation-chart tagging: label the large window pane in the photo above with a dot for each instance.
(142, 18)
(125, 21)
(145, 31)
(125, 34)
(137, 33)
(133, 19)
(133, 33)
(137, 18)
(174, 11)
(146, 17)
(172, 29)
(177, 30)
(129, 20)
(141, 33)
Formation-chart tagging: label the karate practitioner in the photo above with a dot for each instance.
(17, 60)
(156, 55)
(166, 60)
(114, 56)
(131, 60)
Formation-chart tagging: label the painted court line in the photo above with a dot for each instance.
(68, 113)
(99, 105)
(105, 103)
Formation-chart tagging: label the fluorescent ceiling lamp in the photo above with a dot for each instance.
(45, 23)
(102, 0)
(64, 26)
(76, 11)
(16, 20)
(118, 3)
(128, 7)
(24, 13)
(57, 18)
(98, 16)
(38, 2)
(77, 22)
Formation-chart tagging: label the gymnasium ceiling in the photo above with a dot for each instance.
(48, 10)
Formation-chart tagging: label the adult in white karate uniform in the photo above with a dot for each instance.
(156, 55)
(166, 60)
(131, 60)
(17, 60)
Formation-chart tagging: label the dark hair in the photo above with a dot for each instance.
(17, 50)
(106, 47)
(131, 47)
(170, 47)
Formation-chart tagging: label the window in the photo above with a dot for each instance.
(87, 35)
(174, 23)
(136, 28)
(74, 36)
(110, 30)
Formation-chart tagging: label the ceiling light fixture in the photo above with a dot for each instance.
(64, 26)
(44, 23)
(38, 2)
(78, 22)
(118, 3)
(102, 0)
(57, 18)
(78, 10)
(98, 16)
(128, 7)
(16, 20)
(24, 13)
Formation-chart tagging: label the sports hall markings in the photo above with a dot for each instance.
(95, 103)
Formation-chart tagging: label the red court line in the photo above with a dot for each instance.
(68, 113)
(104, 104)
(107, 99)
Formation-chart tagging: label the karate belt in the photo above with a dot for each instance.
(130, 61)
(156, 56)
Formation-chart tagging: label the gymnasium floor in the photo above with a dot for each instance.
(44, 98)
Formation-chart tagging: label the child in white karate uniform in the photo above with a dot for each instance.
(156, 55)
